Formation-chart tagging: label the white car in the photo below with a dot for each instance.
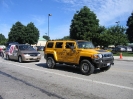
(128, 49)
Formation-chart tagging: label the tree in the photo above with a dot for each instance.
(46, 37)
(17, 33)
(66, 38)
(129, 30)
(32, 34)
(103, 38)
(84, 25)
(23, 34)
(2, 39)
(116, 35)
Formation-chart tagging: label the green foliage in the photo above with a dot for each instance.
(46, 37)
(130, 54)
(66, 38)
(129, 30)
(84, 25)
(23, 34)
(16, 33)
(32, 34)
(2, 39)
(103, 39)
(116, 36)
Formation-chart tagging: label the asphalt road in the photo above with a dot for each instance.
(34, 80)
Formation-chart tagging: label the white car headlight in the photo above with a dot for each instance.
(97, 55)
(39, 54)
(26, 55)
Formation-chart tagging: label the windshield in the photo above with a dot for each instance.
(85, 44)
(26, 47)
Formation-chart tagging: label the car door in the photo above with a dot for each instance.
(15, 53)
(70, 53)
(11, 52)
(59, 49)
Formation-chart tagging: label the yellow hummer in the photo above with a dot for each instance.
(79, 53)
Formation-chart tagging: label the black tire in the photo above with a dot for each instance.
(20, 59)
(50, 62)
(86, 67)
(7, 57)
(105, 68)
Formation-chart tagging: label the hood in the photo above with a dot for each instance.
(96, 51)
(30, 52)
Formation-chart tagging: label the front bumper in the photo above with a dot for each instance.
(38, 58)
(103, 62)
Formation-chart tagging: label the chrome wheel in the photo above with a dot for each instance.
(50, 62)
(86, 67)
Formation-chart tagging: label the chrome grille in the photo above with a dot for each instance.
(33, 54)
(107, 55)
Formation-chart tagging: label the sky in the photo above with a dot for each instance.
(62, 11)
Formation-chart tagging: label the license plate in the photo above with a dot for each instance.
(33, 58)
(108, 64)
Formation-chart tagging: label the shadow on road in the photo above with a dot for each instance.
(67, 68)
(61, 67)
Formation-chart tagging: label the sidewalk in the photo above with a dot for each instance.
(124, 58)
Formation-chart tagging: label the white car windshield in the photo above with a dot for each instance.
(85, 44)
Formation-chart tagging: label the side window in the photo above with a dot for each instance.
(69, 44)
(50, 45)
(58, 44)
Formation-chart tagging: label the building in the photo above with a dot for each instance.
(41, 41)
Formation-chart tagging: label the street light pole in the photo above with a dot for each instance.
(48, 23)
(116, 31)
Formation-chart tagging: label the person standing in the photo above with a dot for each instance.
(1, 52)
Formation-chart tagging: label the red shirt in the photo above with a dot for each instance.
(0, 49)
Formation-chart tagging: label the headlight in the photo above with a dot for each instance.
(26, 54)
(97, 55)
(39, 54)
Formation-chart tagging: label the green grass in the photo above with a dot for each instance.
(124, 54)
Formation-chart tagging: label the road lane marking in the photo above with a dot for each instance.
(88, 80)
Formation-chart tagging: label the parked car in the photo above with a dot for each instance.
(132, 49)
(128, 49)
(40, 48)
(118, 49)
(108, 49)
(22, 52)
(121, 49)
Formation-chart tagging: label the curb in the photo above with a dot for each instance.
(123, 58)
